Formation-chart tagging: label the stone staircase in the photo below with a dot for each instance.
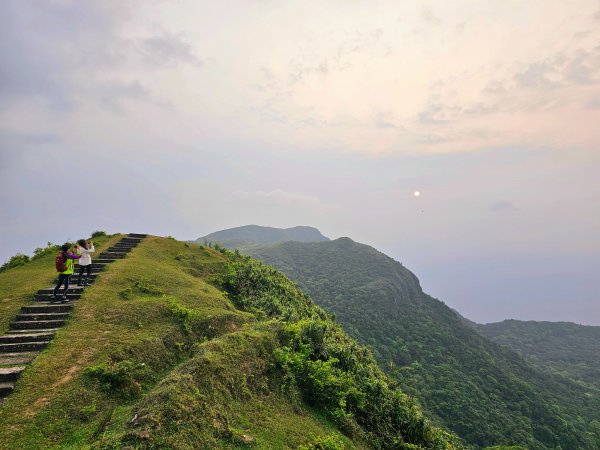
(35, 326)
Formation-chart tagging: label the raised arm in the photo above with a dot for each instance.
(87, 250)
(72, 256)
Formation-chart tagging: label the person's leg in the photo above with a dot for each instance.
(61, 280)
(89, 274)
(64, 296)
(81, 270)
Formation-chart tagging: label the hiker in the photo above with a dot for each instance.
(64, 266)
(85, 262)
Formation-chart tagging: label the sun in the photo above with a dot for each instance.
(417, 194)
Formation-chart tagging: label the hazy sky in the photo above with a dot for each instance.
(185, 117)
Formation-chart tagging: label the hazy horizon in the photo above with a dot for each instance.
(187, 118)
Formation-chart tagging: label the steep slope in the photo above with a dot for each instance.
(182, 347)
(485, 393)
(565, 348)
(250, 235)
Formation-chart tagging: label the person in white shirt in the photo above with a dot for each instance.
(85, 262)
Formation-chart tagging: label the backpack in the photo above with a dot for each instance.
(60, 262)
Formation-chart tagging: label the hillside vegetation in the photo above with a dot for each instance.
(568, 349)
(184, 347)
(485, 393)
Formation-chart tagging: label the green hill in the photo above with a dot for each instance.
(183, 347)
(484, 392)
(249, 236)
(565, 348)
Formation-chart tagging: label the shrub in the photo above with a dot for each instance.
(330, 369)
(97, 234)
(181, 312)
(87, 412)
(327, 442)
(220, 248)
(48, 249)
(123, 377)
(15, 261)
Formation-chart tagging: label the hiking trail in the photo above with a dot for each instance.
(35, 326)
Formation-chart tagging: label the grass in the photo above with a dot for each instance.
(224, 393)
(151, 337)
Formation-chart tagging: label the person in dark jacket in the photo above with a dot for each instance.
(63, 277)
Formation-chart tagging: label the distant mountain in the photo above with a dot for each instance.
(484, 392)
(250, 235)
(566, 348)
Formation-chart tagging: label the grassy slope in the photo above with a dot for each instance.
(133, 343)
(443, 362)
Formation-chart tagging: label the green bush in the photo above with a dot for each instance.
(260, 289)
(123, 377)
(87, 412)
(48, 249)
(327, 442)
(331, 370)
(15, 261)
(181, 312)
(97, 234)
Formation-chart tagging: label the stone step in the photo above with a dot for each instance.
(23, 346)
(119, 249)
(114, 255)
(96, 267)
(7, 359)
(9, 374)
(74, 276)
(74, 281)
(6, 389)
(25, 337)
(46, 297)
(102, 260)
(37, 330)
(36, 324)
(72, 290)
(36, 309)
(46, 302)
(28, 317)
(74, 284)
(137, 235)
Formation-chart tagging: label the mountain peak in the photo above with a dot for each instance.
(249, 235)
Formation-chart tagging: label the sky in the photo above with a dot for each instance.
(182, 118)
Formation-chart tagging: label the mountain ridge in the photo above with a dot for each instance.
(433, 354)
(249, 235)
(182, 346)
(565, 348)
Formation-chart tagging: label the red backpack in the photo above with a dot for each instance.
(60, 262)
